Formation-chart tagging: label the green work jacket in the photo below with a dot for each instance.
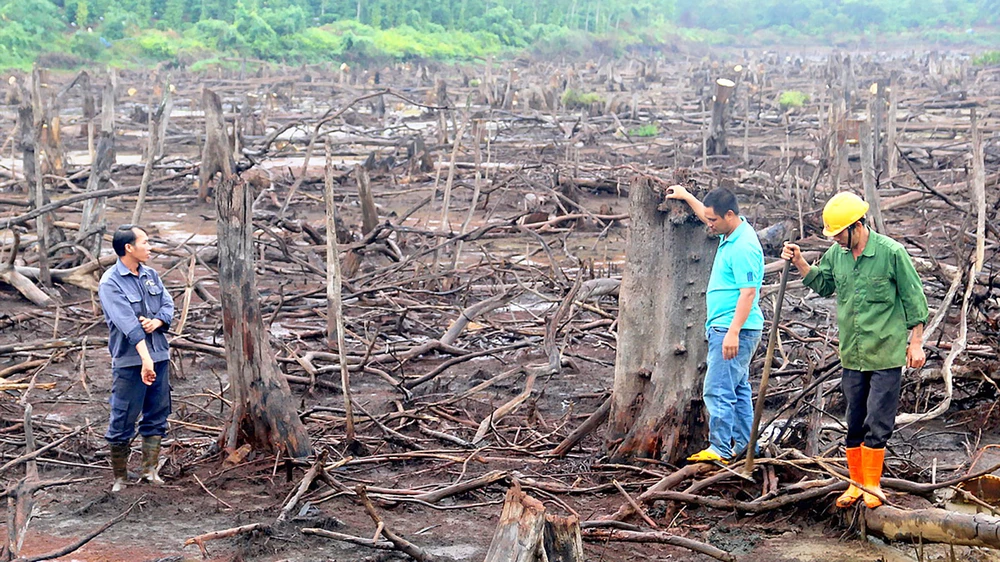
(879, 299)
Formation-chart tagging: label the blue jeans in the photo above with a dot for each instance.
(727, 393)
(130, 397)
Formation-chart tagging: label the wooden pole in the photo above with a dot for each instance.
(877, 121)
(334, 315)
(978, 190)
(41, 223)
(892, 155)
(772, 340)
(155, 118)
(477, 133)
(868, 176)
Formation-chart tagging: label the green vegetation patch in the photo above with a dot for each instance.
(792, 99)
(572, 99)
(647, 130)
(988, 58)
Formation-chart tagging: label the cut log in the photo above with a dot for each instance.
(263, 413)
(716, 142)
(656, 406)
(527, 534)
(934, 525)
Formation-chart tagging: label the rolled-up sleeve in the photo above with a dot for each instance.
(119, 312)
(911, 290)
(820, 276)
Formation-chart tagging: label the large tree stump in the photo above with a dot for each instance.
(527, 534)
(264, 412)
(656, 407)
(716, 141)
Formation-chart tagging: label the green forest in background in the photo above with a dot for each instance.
(205, 32)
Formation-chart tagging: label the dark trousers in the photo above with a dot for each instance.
(872, 400)
(130, 397)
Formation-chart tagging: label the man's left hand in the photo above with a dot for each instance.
(915, 357)
(730, 345)
(150, 325)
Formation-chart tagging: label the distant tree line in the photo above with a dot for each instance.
(820, 17)
(312, 30)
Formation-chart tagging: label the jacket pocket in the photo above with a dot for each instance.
(135, 300)
(880, 290)
(156, 296)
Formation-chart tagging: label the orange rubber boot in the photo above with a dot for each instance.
(871, 465)
(852, 494)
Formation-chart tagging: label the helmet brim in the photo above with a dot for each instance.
(831, 232)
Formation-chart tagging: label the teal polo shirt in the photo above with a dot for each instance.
(739, 263)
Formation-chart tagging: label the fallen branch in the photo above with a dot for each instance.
(22, 219)
(200, 540)
(665, 483)
(593, 422)
(361, 541)
(400, 544)
(307, 481)
(657, 537)
(462, 487)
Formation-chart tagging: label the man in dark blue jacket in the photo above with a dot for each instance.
(138, 311)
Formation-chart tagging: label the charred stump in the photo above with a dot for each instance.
(217, 154)
(656, 408)
(264, 413)
(527, 534)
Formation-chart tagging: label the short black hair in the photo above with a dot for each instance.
(124, 235)
(721, 200)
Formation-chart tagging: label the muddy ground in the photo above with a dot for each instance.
(529, 150)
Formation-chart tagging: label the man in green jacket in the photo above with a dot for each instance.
(880, 299)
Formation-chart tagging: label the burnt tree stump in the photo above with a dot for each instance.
(527, 534)
(264, 413)
(657, 409)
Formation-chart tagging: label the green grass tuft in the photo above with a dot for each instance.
(792, 99)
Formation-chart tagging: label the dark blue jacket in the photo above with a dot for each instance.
(125, 297)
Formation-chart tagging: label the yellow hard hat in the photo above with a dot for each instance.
(841, 211)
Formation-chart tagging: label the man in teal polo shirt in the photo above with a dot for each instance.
(734, 322)
(879, 299)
